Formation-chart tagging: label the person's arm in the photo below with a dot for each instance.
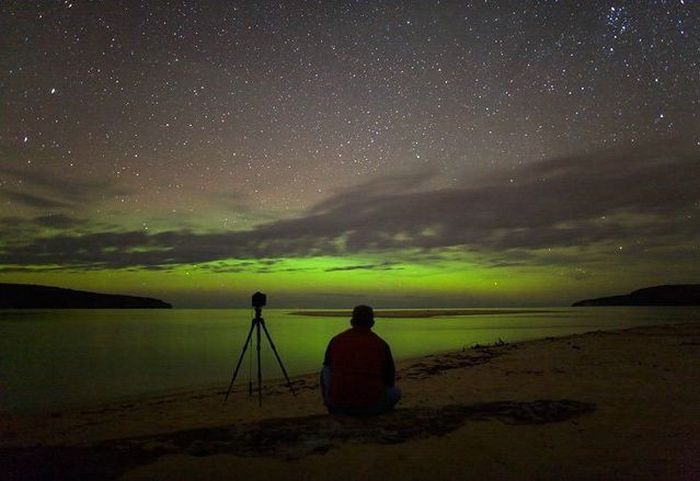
(389, 368)
(324, 377)
(327, 356)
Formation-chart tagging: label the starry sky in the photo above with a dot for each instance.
(403, 154)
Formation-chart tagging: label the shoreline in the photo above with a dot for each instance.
(614, 404)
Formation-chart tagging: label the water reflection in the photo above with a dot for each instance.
(55, 358)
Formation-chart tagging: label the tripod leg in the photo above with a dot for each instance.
(279, 360)
(250, 374)
(259, 367)
(240, 360)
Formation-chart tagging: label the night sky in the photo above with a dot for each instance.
(331, 153)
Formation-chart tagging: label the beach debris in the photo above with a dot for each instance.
(527, 372)
(431, 365)
(498, 343)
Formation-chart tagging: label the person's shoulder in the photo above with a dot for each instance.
(342, 335)
(379, 339)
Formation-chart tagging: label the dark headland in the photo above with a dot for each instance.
(669, 295)
(29, 296)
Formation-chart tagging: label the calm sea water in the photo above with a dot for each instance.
(52, 359)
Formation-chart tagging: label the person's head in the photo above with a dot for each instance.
(362, 316)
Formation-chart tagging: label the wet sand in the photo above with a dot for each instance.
(603, 405)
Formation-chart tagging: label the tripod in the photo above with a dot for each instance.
(257, 323)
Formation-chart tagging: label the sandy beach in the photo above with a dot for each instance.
(607, 405)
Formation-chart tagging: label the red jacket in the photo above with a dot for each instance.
(361, 368)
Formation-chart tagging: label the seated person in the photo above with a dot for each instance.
(358, 373)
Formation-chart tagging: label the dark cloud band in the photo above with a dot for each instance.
(648, 193)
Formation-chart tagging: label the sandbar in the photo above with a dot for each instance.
(420, 313)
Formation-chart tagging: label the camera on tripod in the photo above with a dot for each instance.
(258, 300)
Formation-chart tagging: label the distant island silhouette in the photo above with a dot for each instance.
(668, 295)
(30, 296)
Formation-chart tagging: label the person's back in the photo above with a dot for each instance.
(358, 376)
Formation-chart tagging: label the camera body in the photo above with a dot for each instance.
(258, 300)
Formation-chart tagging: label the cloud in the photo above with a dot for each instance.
(33, 200)
(646, 195)
(551, 204)
(384, 266)
(57, 221)
(48, 191)
(14, 228)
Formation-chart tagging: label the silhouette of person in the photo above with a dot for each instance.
(358, 370)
